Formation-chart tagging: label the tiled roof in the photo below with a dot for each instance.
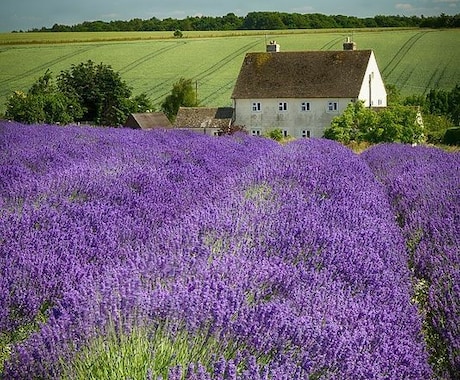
(305, 74)
(148, 120)
(202, 117)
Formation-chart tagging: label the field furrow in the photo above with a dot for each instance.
(401, 53)
(36, 70)
(329, 45)
(408, 58)
(138, 62)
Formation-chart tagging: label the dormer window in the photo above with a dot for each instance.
(282, 106)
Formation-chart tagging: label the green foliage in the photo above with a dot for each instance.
(43, 103)
(393, 94)
(182, 94)
(260, 20)
(86, 92)
(23, 332)
(178, 34)
(436, 127)
(355, 124)
(275, 134)
(100, 91)
(452, 136)
(140, 103)
(142, 352)
(393, 124)
(397, 124)
(447, 103)
(454, 104)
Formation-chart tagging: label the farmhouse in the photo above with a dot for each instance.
(301, 92)
(210, 121)
(147, 120)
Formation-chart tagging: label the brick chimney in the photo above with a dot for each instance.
(273, 47)
(349, 44)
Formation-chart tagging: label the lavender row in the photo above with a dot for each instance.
(423, 185)
(290, 252)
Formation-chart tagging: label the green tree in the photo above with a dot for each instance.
(438, 101)
(43, 103)
(358, 123)
(354, 124)
(102, 94)
(182, 94)
(393, 94)
(454, 104)
(178, 34)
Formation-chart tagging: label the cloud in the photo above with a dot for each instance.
(404, 7)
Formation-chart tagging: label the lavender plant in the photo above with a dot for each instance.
(274, 261)
(423, 185)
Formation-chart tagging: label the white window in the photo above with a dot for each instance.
(285, 133)
(282, 106)
(380, 102)
(305, 106)
(332, 106)
(306, 133)
(255, 132)
(256, 107)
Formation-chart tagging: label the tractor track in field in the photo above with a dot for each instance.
(438, 73)
(38, 69)
(225, 61)
(209, 71)
(331, 43)
(149, 56)
(401, 53)
(229, 85)
(404, 77)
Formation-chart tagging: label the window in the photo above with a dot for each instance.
(332, 106)
(380, 102)
(305, 106)
(285, 133)
(306, 133)
(282, 106)
(256, 107)
(255, 132)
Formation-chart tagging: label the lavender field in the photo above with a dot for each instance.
(296, 261)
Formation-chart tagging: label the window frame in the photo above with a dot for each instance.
(332, 106)
(305, 106)
(256, 107)
(282, 106)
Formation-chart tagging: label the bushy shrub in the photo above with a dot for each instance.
(452, 136)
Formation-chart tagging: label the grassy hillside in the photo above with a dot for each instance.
(414, 60)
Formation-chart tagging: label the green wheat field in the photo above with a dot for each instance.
(414, 60)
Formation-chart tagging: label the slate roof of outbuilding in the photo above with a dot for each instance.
(303, 74)
(148, 120)
(203, 117)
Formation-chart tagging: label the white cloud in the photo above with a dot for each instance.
(404, 7)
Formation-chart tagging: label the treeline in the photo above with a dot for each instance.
(259, 21)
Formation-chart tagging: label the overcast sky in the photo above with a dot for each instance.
(28, 14)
